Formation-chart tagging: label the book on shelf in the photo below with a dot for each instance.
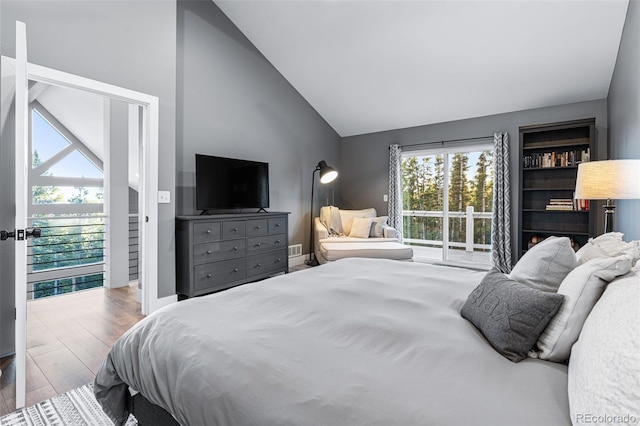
(560, 207)
(555, 159)
(561, 204)
(582, 205)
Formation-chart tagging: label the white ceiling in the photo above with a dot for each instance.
(369, 66)
(82, 113)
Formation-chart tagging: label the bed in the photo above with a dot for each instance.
(357, 341)
(381, 342)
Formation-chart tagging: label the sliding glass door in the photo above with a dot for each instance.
(447, 204)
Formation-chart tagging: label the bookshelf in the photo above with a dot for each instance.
(549, 158)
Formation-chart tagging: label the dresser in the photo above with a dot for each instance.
(216, 252)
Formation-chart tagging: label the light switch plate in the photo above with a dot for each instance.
(164, 197)
(385, 198)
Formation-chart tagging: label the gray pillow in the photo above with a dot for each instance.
(546, 264)
(510, 315)
(377, 225)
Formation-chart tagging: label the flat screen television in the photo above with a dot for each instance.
(229, 183)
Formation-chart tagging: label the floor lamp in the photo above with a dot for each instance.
(608, 180)
(327, 174)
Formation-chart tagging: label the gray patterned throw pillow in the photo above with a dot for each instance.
(510, 315)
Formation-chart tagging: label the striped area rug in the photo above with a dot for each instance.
(78, 407)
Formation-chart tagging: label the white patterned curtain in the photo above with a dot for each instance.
(501, 218)
(395, 190)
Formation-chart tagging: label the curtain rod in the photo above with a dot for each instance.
(447, 141)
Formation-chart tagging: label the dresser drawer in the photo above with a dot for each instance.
(257, 227)
(208, 231)
(268, 242)
(276, 225)
(234, 229)
(266, 263)
(217, 275)
(219, 250)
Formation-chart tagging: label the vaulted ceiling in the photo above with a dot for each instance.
(369, 66)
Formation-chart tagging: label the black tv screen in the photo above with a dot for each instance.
(229, 183)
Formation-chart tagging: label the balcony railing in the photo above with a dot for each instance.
(68, 256)
(461, 238)
(133, 247)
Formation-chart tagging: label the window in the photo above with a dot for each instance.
(447, 204)
(61, 170)
(66, 182)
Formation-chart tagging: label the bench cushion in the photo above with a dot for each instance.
(340, 240)
(376, 250)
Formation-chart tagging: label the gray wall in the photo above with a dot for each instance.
(364, 178)
(233, 103)
(624, 115)
(131, 44)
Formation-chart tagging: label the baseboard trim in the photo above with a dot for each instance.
(298, 260)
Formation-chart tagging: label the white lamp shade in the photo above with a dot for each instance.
(610, 179)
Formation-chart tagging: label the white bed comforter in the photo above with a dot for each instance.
(357, 341)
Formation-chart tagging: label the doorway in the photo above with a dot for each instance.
(140, 105)
(447, 204)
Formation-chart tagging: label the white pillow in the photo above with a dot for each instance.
(581, 290)
(546, 264)
(360, 227)
(611, 243)
(376, 226)
(589, 252)
(604, 372)
(346, 217)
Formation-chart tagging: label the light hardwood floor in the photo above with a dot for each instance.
(68, 337)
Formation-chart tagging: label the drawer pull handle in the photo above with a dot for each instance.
(277, 242)
(257, 265)
(235, 269)
(258, 245)
(277, 225)
(208, 231)
(235, 229)
(235, 248)
(208, 251)
(277, 260)
(208, 275)
(258, 227)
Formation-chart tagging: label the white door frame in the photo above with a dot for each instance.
(148, 186)
(21, 176)
(149, 170)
